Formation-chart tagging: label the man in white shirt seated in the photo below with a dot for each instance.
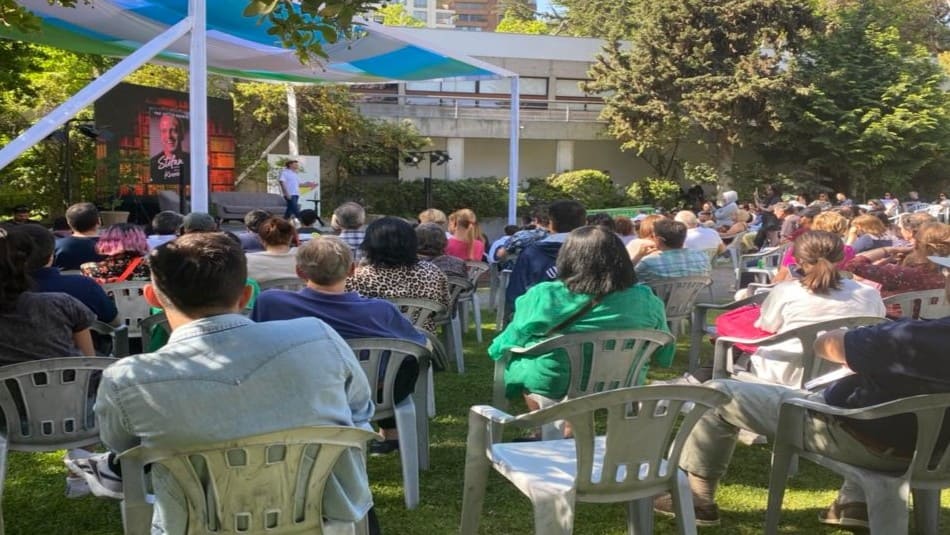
(699, 237)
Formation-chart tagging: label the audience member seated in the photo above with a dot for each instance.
(645, 239)
(537, 263)
(497, 249)
(602, 220)
(434, 215)
(123, 247)
(432, 244)
(699, 238)
(536, 230)
(349, 219)
(325, 263)
(725, 215)
(277, 260)
(816, 293)
(79, 247)
(898, 269)
(198, 222)
(740, 223)
(673, 260)
(391, 268)
(625, 230)
(165, 227)
(867, 232)
(891, 360)
(47, 278)
(224, 377)
(832, 222)
(595, 290)
(36, 325)
(252, 223)
(465, 242)
(307, 218)
(21, 216)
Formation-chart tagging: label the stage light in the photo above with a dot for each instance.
(439, 157)
(412, 159)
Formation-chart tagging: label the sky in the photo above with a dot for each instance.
(544, 5)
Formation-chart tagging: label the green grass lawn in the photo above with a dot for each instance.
(34, 500)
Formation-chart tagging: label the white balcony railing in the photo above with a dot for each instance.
(437, 105)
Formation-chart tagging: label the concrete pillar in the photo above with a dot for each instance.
(455, 146)
(565, 156)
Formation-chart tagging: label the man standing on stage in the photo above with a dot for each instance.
(290, 188)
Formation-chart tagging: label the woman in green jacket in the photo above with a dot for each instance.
(592, 265)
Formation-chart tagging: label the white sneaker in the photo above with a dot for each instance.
(76, 487)
(94, 469)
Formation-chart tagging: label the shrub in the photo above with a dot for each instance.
(655, 192)
(590, 187)
(487, 196)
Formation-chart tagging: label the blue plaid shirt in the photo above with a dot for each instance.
(354, 238)
(673, 263)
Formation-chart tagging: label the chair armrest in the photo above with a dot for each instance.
(491, 414)
(913, 404)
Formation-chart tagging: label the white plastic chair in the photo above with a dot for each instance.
(380, 359)
(922, 305)
(637, 458)
(811, 367)
(271, 483)
(286, 283)
(119, 336)
(159, 320)
(459, 288)
(699, 325)
(887, 493)
(679, 295)
(418, 311)
(768, 261)
(610, 359)
(130, 302)
(47, 406)
(475, 270)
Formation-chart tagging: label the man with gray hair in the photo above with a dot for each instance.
(325, 263)
(698, 237)
(349, 219)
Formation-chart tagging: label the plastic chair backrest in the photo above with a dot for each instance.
(643, 443)
(155, 320)
(380, 359)
(269, 483)
(922, 305)
(460, 288)
(418, 311)
(286, 283)
(679, 294)
(475, 270)
(603, 360)
(47, 404)
(119, 336)
(131, 304)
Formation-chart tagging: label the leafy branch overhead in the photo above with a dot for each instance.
(311, 25)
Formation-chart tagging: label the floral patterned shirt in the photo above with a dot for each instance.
(114, 266)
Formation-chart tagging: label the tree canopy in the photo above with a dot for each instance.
(396, 15)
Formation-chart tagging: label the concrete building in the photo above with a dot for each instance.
(434, 13)
(476, 15)
(560, 129)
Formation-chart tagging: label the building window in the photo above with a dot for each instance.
(422, 4)
(469, 17)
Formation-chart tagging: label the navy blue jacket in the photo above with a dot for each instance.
(535, 264)
(85, 289)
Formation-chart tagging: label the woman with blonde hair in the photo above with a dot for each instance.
(906, 269)
(465, 242)
(867, 232)
(740, 223)
(831, 222)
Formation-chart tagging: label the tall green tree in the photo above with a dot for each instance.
(591, 18)
(698, 69)
(396, 15)
(871, 110)
(513, 23)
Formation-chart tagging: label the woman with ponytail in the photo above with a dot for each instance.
(35, 325)
(817, 292)
(465, 242)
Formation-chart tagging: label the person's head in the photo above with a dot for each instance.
(198, 222)
(773, 190)
(780, 209)
(539, 216)
(43, 243)
(15, 248)
(169, 131)
(390, 242)
(198, 275)
(688, 218)
(887, 195)
(841, 197)
(808, 215)
(83, 217)
(21, 213)
(166, 223)
(122, 238)
(645, 231)
(823, 197)
(931, 239)
(911, 223)
(350, 216)
(594, 261)
(432, 240)
(817, 253)
(707, 207)
(325, 261)
(942, 197)
(434, 215)
(603, 220)
(830, 222)
(623, 225)
(741, 216)
(307, 217)
(464, 225)
(868, 224)
(254, 218)
(669, 234)
(510, 230)
(729, 197)
(293, 165)
(875, 205)
(913, 196)
(566, 216)
(276, 232)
